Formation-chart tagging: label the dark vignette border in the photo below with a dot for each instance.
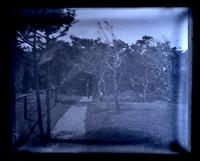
(6, 62)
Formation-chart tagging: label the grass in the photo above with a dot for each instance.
(143, 127)
(141, 123)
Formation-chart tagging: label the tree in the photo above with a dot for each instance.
(89, 59)
(38, 29)
(28, 36)
(145, 67)
(113, 60)
(100, 58)
(154, 62)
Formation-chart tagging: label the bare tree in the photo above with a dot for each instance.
(113, 60)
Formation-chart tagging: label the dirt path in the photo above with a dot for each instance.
(72, 123)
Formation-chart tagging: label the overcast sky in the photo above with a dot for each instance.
(130, 24)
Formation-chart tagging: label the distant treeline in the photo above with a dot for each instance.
(148, 67)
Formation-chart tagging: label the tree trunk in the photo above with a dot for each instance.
(99, 91)
(48, 104)
(57, 78)
(146, 86)
(47, 95)
(99, 83)
(41, 129)
(25, 83)
(145, 91)
(56, 94)
(104, 88)
(13, 113)
(25, 108)
(115, 89)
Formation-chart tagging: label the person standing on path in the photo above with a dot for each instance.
(89, 86)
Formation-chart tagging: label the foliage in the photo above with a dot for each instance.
(148, 67)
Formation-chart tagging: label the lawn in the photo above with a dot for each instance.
(148, 127)
(147, 123)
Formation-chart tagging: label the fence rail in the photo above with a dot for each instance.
(29, 94)
(24, 97)
(27, 112)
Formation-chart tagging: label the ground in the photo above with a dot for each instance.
(147, 127)
(24, 127)
(150, 123)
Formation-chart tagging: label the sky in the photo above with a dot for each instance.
(130, 24)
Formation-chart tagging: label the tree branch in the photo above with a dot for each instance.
(20, 41)
(25, 40)
(108, 64)
(118, 63)
(62, 33)
(41, 47)
(41, 35)
(103, 34)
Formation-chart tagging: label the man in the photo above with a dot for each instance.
(89, 86)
